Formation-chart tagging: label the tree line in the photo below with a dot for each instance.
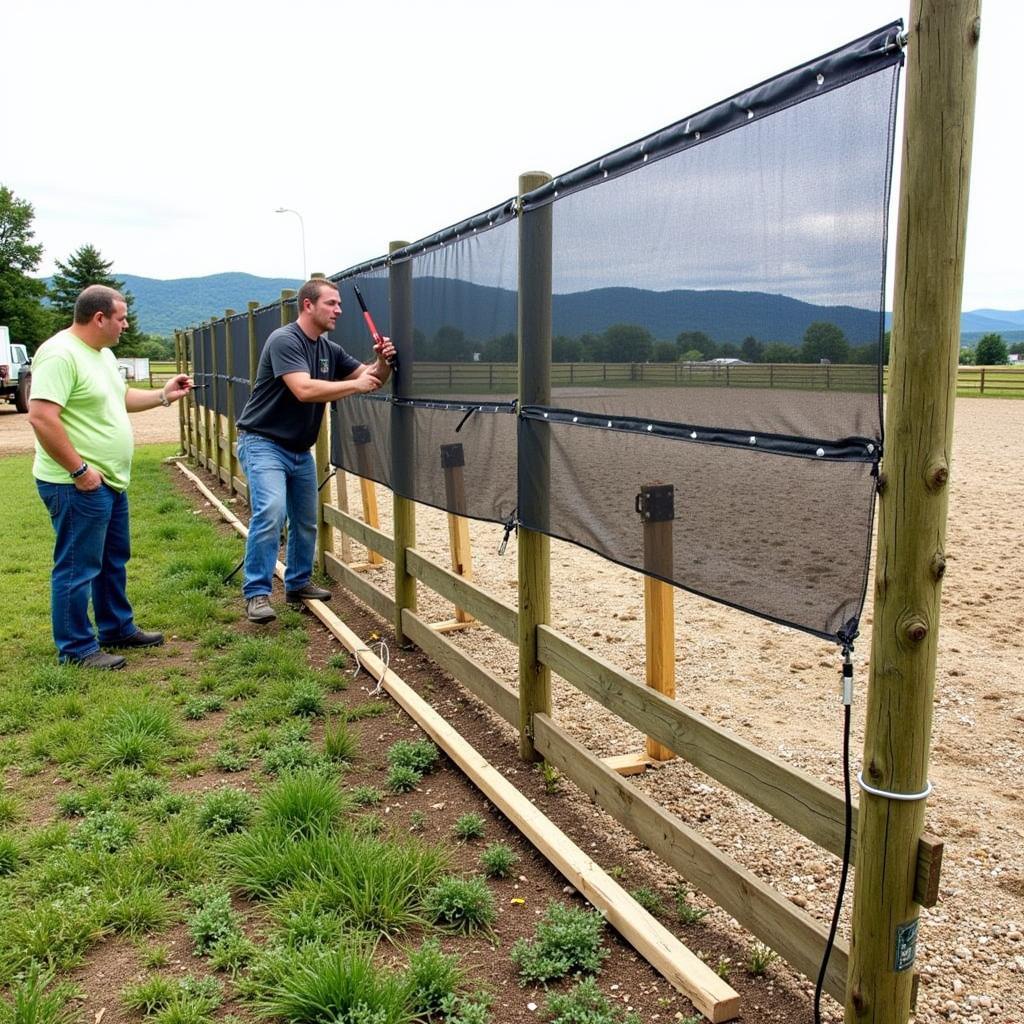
(631, 343)
(31, 310)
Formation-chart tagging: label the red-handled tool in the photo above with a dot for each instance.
(372, 327)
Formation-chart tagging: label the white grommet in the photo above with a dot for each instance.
(821, 79)
(693, 434)
(753, 440)
(575, 419)
(871, 449)
(650, 426)
(820, 452)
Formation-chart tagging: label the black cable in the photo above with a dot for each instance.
(847, 840)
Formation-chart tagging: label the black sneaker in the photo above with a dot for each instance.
(140, 638)
(307, 593)
(99, 660)
(259, 609)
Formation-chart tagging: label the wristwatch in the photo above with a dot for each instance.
(164, 400)
(82, 469)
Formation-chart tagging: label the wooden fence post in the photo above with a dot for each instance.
(914, 495)
(229, 369)
(324, 530)
(655, 504)
(361, 438)
(211, 392)
(453, 460)
(403, 437)
(534, 547)
(215, 399)
(179, 362)
(192, 409)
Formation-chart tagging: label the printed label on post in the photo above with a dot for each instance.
(906, 945)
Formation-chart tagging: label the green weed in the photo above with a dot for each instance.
(567, 941)
(225, 810)
(402, 778)
(469, 826)
(498, 860)
(464, 904)
(585, 1004)
(343, 985)
(419, 755)
(685, 910)
(303, 803)
(433, 978)
(340, 743)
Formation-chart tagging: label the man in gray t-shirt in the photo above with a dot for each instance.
(299, 372)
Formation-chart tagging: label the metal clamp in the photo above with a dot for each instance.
(907, 797)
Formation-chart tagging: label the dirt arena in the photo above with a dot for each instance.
(779, 689)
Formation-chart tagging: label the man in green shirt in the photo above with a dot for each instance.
(79, 412)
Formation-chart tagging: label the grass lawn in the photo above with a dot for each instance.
(194, 807)
(206, 835)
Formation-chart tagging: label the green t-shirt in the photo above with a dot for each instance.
(88, 387)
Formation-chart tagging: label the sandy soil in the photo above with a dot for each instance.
(778, 689)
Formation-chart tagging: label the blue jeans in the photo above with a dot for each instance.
(90, 557)
(281, 483)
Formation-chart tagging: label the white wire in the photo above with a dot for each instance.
(383, 654)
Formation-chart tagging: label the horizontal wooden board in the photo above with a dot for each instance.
(502, 618)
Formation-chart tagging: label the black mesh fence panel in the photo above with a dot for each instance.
(221, 362)
(238, 327)
(714, 417)
(268, 319)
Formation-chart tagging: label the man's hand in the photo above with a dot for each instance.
(384, 349)
(90, 480)
(366, 382)
(178, 387)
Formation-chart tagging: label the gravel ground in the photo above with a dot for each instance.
(778, 689)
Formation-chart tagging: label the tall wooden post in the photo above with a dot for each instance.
(215, 363)
(211, 398)
(362, 440)
(191, 409)
(324, 530)
(229, 369)
(656, 505)
(254, 353)
(453, 462)
(914, 489)
(534, 548)
(179, 362)
(403, 436)
(286, 313)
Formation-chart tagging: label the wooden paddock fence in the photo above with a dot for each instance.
(795, 798)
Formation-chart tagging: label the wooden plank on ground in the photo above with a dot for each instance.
(717, 1000)
(790, 931)
(502, 618)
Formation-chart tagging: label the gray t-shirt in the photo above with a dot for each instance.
(272, 410)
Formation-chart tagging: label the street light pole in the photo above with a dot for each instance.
(302, 228)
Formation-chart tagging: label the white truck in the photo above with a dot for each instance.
(15, 372)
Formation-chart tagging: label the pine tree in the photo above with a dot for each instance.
(86, 266)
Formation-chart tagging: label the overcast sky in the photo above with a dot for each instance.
(167, 134)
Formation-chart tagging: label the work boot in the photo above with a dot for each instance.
(307, 593)
(140, 638)
(99, 660)
(259, 609)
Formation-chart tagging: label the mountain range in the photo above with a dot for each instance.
(163, 306)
